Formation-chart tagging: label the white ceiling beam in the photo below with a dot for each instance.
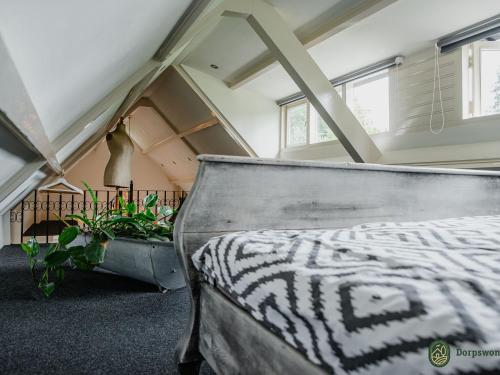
(304, 71)
(18, 108)
(325, 26)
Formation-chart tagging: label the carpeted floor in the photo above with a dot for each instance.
(96, 323)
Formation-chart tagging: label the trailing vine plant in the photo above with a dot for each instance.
(102, 226)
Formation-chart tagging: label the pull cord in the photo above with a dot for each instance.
(436, 73)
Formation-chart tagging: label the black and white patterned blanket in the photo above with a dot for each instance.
(371, 298)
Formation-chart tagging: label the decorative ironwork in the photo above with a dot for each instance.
(36, 212)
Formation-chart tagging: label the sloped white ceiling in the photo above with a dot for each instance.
(233, 44)
(71, 54)
(178, 161)
(147, 127)
(403, 27)
(178, 102)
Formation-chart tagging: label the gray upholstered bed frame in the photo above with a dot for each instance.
(234, 194)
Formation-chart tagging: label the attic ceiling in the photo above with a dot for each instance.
(171, 124)
(401, 27)
(83, 64)
(69, 66)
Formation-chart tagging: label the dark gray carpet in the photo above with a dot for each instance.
(96, 323)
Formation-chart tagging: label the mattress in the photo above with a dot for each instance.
(371, 298)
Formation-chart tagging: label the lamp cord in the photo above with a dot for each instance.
(436, 70)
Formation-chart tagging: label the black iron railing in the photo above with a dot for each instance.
(37, 214)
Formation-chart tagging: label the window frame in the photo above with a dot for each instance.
(287, 128)
(471, 79)
(309, 124)
(345, 93)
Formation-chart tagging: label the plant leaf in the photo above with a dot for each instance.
(68, 235)
(79, 217)
(131, 208)
(60, 274)
(35, 246)
(27, 249)
(76, 250)
(57, 258)
(166, 211)
(82, 264)
(52, 248)
(91, 192)
(94, 252)
(121, 201)
(109, 233)
(47, 289)
(150, 200)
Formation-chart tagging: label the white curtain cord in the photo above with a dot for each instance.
(396, 99)
(436, 72)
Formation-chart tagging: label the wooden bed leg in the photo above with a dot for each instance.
(188, 354)
(192, 368)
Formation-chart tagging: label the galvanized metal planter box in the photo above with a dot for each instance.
(153, 261)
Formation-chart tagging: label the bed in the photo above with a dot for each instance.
(317, 268)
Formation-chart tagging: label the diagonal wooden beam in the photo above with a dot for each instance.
(147, 102)
(18, 108)
(304, 71)
(325, 26)
(193, 130)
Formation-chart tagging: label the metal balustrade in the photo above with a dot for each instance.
(37, 214)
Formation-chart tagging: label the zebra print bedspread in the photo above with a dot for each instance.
(370, 299)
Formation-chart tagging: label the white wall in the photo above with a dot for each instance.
(463, 142)
(255, 117)
(4, 230)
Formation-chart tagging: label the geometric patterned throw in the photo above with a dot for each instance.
(370, 299)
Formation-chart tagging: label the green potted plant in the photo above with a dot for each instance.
(124, 240)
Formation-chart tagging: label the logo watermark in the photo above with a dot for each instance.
(440, 353)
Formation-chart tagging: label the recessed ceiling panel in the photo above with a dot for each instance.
(228, 48)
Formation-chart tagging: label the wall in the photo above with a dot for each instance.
(256, 118)
(463, 143)
(4, 230)
(146, 174)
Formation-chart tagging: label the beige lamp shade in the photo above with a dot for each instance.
(118, 170)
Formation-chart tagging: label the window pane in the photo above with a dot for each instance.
(297, 125)
(490, 81)
(369, 101)
(320, 132)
